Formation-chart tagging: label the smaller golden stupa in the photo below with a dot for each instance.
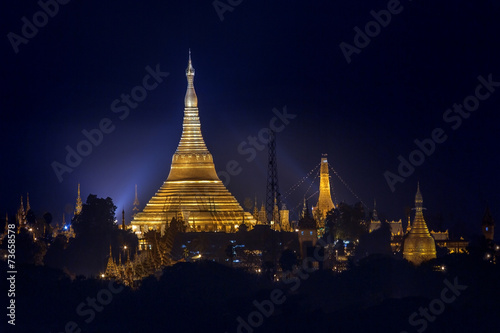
(419, 246)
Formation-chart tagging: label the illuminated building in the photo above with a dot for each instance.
(308, 232)
(488, 225)
(419, 246)
(285, 219)
(192, 191)
(396, 229)
(262, 215)
(440, 235)
(78, 206)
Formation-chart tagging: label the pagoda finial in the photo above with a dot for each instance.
(190, 101)
(136, 200)
(418, 198)
(28, 202)
(375, 214)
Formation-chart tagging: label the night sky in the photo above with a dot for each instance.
(263, 55)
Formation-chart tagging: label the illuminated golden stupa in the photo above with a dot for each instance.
(325, 202)
(419, 246)
(192, 191)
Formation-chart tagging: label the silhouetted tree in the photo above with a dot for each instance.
(346, 221)
(30, 217)
(48, 218)
(95, 231)
(27, 250)
(376, 242)
(55, 253)
(97, 216)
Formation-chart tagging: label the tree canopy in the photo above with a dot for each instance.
(346, 222)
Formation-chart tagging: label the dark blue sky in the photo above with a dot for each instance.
(263, 55)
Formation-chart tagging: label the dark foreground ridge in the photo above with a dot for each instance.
(379, 294)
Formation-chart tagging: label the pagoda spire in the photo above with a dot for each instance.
(21, 216)
(28, 207)
(6, 229)
(192, 160)
(325, 202)
(375, 214)
(418, 199)
(190, 101)
(123, 219)
(136, 201)
(78, 206)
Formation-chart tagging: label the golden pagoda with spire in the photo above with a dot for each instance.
(192, 189)
(419, 246)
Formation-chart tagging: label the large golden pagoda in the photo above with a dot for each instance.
(419, 246)
(192, 191)
(325, 202)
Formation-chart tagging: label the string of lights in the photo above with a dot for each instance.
(346, 185)
(300, 182)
